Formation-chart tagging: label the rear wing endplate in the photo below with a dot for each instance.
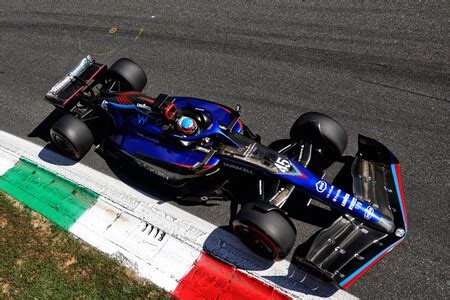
(74, 82)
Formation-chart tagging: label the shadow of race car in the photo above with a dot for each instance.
(199, 145)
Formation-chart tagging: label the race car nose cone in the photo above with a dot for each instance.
(187, 125)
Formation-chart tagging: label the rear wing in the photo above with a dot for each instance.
(348, 248)
(74, 82)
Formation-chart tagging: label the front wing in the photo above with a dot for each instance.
(348, 248)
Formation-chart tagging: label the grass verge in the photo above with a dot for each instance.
(40, 260)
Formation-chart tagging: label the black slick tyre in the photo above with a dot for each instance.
(324, 132)
(268, 233)
(72, 137)
(129, 74)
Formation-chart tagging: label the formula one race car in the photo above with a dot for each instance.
(199, 146)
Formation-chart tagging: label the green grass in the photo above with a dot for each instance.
(40, 260)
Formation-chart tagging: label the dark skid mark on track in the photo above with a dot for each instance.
(242, 44)
(404, 90)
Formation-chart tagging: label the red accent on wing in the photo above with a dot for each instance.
(405, 215)
(369, 267)
(81, 87)
(400, 186)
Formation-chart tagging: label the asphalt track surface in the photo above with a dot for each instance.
(380, 67)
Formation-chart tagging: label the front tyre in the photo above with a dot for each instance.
(324, 132)
(72, 137)
(129, 74)
(268, 233)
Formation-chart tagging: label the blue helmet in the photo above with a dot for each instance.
(186, 125)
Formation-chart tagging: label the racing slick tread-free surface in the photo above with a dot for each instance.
(130, 72)
(75, 132)
(322, 131)
(270, 224)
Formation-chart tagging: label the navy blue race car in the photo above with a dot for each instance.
(200, 146)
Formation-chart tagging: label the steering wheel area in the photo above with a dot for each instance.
(207, 125)
(212, 129)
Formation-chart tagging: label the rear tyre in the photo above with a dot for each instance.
(323, 132)
(72, 137)
(129, 74)
(269, 234)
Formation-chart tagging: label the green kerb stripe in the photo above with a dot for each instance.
(56, 198)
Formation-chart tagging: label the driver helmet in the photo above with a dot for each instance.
(187, 125)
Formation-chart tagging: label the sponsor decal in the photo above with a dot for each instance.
(283, 165)
(358, 205)
(142, 119)
(321, 186)
(147, 137)
(352, 204)
(337, 195)
(249, 150)
(104, 105)
(239, 168)
(143, 106)
(216, 198)
(369, 212)
(329, 192)
(151, 170)
(345, 199)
